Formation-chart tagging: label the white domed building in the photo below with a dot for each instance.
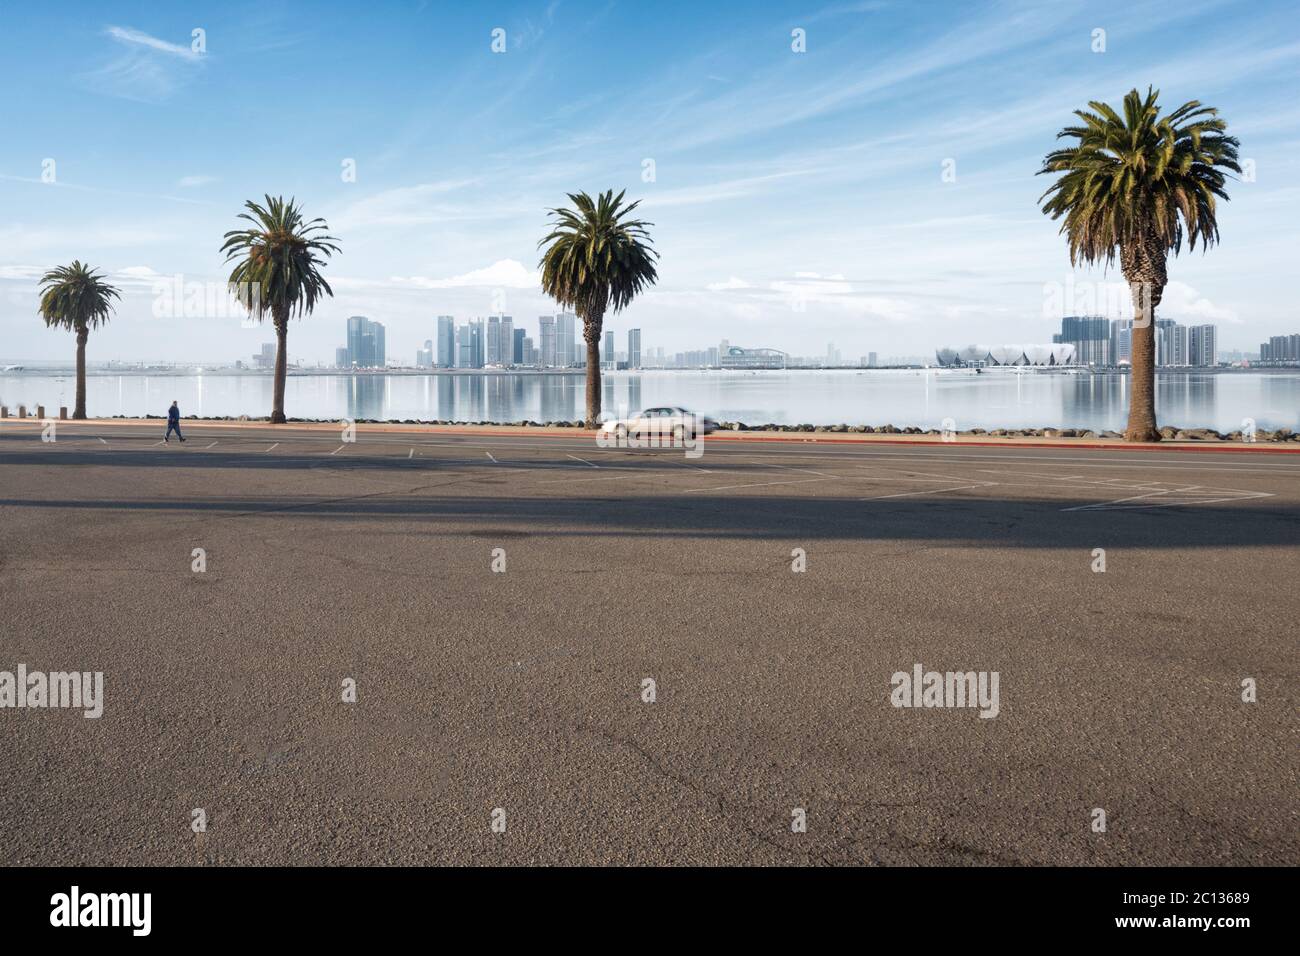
(995, 355)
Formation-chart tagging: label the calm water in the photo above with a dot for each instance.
(920, 398)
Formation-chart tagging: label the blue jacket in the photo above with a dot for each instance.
(173, 414)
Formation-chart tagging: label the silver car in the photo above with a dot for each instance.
(673, 423)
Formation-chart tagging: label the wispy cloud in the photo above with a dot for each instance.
(148, 70)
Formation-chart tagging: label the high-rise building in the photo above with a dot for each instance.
(1203, 346)
(470, 345)
(633, 348)
(1090, 336)
(529, 351)
(493, 345)
(446, 341)
(1280, 348)
(608, 357)
(507, 340)
(366, 347)
(341, 357)
(424, 356)
(1171, 343)
(564, 341)
(1121, 342)
(547, 337)
(871, 360)
(517, 355)
(356, 329)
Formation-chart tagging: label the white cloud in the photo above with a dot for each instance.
(133, 37)
(503, 274)
(190, 182)
(1185, 305)
(731, 283)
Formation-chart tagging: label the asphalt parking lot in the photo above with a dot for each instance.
(635, 656)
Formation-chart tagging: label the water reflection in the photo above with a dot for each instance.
(990, 400)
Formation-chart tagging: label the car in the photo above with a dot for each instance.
(677, 424)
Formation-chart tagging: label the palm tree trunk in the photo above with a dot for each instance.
(591, 329)
(79, 411)
(1145, 269)
(281, 368)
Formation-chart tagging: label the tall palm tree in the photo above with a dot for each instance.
(1133, 187)
(76, 297)
(277, 271)
(596, 260)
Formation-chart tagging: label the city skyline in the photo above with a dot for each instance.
(727, 134)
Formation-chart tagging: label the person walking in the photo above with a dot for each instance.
(174, 423)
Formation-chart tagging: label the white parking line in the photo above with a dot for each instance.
(213, 445)
(102, 440)
(759, 484)
(274, 447)
(339, 449)
(583, 460)
(411, 454)
(930, 491)
(489, 454)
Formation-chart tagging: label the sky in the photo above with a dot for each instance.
(875, 190)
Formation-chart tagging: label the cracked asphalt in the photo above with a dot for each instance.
(523, 689)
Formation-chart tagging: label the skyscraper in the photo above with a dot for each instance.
(547, 340)
(608, 357)
(493, 340)
(564, 339)
(633, 348)
(1171, 343)
(1090, 336)
(1203, 346)
(517, 355)
(446, 341)
(1121, 342)
(507, 340)
(366, 348)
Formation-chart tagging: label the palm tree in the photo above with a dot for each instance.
(596, 260)
(76, 297)
(278, 272)
(1133, 187)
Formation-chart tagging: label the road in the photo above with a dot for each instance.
(520, 696)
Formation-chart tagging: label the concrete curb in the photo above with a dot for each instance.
(804, 438)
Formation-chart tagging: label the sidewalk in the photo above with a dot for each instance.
(839, 438)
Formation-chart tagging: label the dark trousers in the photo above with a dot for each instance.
(174, 427)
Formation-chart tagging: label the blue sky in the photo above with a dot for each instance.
(798, 198)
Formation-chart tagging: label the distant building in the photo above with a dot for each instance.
(564, 339)
(341, 357)
(518, 354)
(1203, 346)
(266, 357)
(871, 360)
(608, 357)
(530, 354)
(546, 338)
(633, 348)
(1171, 343)
(446, 341)
(366, 347)
(1121, 342)
(741, 358)
(976, 356)
(1090, 336)
(1280, 349)
(424, 356)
